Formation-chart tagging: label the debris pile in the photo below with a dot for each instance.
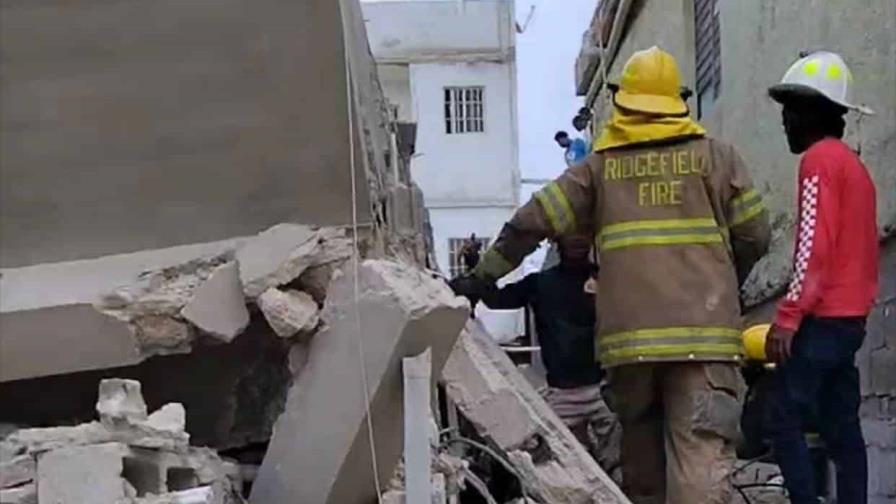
(509, 413)
(170, 309)
(127, 457)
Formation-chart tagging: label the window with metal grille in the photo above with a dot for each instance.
(708, 53)
(464, 110)
(456, 264)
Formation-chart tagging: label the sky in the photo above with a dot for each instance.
(546, 98)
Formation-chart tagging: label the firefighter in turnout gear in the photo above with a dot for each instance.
(678, 226)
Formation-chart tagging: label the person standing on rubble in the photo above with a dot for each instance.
(562, 299)
(678, 226)
(820, 323)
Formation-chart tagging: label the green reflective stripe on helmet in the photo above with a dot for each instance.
(745, 207)
(493, 265)
(557, 208)
(660, 232)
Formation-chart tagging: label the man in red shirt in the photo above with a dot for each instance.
(820, 323)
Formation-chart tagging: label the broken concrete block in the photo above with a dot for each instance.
(25, 494)
(16, 470)
(171, 417)
(276, 256)
(120, 400)
(161, 335)
(288, 312)
(319, 452)
(282, 253)
(509, 413)
(218, 306)
(316, 279)
(81, 474)
(33, 441)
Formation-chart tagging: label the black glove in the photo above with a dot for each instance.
(469, 287)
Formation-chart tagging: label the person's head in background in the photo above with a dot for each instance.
(580, 122)
(575, 249)
(562, 139)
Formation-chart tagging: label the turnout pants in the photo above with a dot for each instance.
(588, 417)
(821, 382)
(679, 425)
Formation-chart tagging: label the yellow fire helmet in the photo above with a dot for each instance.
(651, 83)
(754, 341)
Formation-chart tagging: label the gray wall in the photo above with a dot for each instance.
(129, 125)
(760, 39)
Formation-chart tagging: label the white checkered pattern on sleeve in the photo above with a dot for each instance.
(808, 219)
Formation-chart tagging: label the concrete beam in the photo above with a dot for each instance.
(319, 452)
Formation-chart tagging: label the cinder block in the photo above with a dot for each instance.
(883, 371)
(82, 474)
(880, 432)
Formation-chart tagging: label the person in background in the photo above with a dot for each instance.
(469, 253)
(820, 323)
(575, 150)
(580, 123)
(562, 300)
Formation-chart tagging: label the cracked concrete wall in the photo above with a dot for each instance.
(128, 125)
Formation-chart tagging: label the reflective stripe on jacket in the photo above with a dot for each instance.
(678, 226)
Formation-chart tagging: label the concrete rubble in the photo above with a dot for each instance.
(289, 312)
(510, 414)
(320, 451)
(127, 457)
(168, 309)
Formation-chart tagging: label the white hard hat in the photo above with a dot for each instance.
(820, 72)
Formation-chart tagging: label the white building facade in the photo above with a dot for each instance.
(449, 66)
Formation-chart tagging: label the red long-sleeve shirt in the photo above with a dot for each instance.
(835, 264)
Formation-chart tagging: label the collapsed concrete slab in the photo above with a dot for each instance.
(119, 310)
(319, 452)
(510, 414)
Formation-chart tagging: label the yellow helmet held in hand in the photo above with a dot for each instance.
(651, 83)
(754, 341)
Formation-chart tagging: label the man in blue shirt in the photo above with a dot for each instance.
(576, 149)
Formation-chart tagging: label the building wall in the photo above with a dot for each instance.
(396, 82)
(759, 40)
(129, 126)
(468, 169)
(416, 30)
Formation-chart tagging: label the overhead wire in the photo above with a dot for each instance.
(350, 107)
